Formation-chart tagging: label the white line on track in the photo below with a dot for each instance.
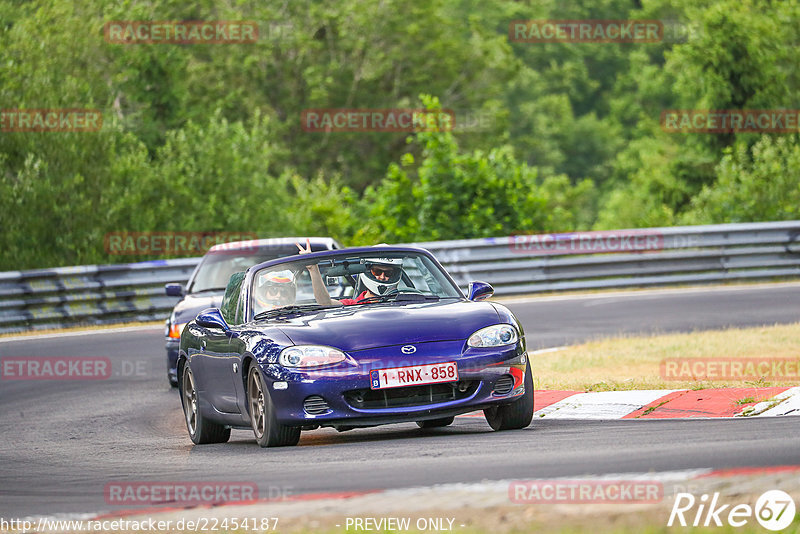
(502, 485)
(601, 405)
(645, 293)
(789, 404)
(76, 333)
(440, 496)
(551, 349)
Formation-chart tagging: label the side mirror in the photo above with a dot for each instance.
(480, 291)
(173, 290)
(212, 318)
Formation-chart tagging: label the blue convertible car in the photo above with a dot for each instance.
(281, 355)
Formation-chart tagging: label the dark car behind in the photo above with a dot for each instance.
(207, 284)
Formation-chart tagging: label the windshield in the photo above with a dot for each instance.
(216, 268)
(347, 279)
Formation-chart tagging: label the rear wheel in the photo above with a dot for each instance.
(201, 430)
(269, 433)
(518, 414)
(436, 423)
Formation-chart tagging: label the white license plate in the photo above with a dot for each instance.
(413, 375)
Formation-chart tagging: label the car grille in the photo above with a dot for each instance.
(369, 399)
(315, 405)
(503, 385)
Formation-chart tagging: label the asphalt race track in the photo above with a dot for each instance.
(63, 441)
(555, 321)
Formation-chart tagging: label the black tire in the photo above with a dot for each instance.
(436, 423)
(201, 430)
(516, 415)
(173, 383)
(268, 431)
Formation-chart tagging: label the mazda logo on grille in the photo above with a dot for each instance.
(408, 349)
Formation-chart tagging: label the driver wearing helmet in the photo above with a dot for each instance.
(381, 277)
(275, 289)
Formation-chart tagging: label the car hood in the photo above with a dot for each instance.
(188, 308)
(361, 327)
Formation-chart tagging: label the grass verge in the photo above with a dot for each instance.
(628, 362)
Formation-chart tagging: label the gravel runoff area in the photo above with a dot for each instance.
(490, 506)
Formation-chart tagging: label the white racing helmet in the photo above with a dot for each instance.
(276, 288)
(382, 275)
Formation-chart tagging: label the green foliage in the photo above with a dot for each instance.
(452, 195)
(740, 59)
(760, 186)
(735, 56)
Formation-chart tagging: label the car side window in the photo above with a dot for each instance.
(230, 301)
(240, 306)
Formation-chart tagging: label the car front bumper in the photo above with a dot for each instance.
(341, 395)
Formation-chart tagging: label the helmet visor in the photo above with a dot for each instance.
(385, 274)
(279, 291)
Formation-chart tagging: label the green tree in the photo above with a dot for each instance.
(452, 195)
(762, 184)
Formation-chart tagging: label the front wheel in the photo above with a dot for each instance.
(201, 430)
(516, 415)
(269, 432)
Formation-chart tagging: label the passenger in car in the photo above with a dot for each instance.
(275, 289)
(381, 277)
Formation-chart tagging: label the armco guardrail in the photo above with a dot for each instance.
(676, 255)
(96, 294)
(513, 265)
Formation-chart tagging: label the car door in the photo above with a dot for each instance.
(213, 369)
(219, 357)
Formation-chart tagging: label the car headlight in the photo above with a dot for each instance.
(494, 336)
(175, 330)
(310, 356)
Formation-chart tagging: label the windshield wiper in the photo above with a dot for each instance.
(377, 298)
(399, 297)
(285, 310)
